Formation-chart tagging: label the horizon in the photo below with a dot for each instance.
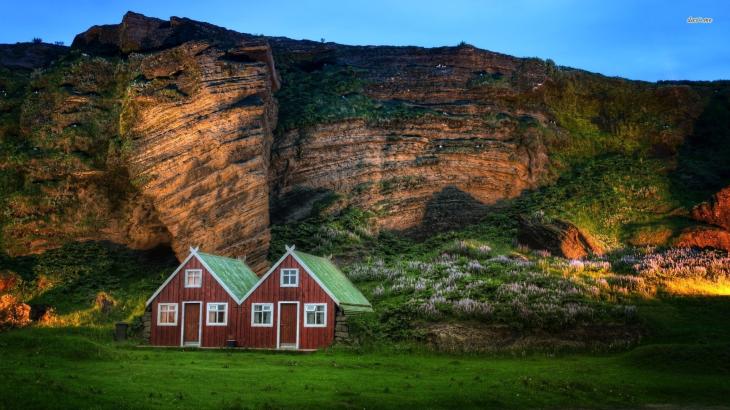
(662, 47)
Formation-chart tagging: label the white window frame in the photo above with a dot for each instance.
(289, 285)
(271, 316)
(159, 314)
(306, 322)
(225, 314)
(189, 271)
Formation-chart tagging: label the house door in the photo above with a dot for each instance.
(288, 325)
(191, 327)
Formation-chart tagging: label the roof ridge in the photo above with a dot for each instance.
(219, 256)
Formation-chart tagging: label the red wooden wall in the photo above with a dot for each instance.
(269, 291)
(210, 291)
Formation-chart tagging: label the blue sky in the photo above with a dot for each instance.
(647, 40)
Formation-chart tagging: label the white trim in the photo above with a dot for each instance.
(185, 278)
(278, 322)
(200, 323)
(263, 278)
(194, 252)
(253, 314)
(159, 311)
(289, 285)
(220, 282)
(207, 314)
(289, 251)
(169, 278)
(315, 324)
(316, 279)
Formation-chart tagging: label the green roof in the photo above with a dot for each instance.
(235, 275)
(350, 298)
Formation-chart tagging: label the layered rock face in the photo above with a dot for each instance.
(145, 135)
(430, 171)
(70, 184)
(201, 123)
(154, 132)
(462, 149)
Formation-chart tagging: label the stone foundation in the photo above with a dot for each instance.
(147, 325)
(342, 330)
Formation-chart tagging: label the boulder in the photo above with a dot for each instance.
(13, 312)
(716, 211)
(704, 237)
(560, 238)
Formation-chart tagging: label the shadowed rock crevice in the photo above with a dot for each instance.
(560, 238)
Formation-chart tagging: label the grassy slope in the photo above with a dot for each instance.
(71, 278)
(62, 368)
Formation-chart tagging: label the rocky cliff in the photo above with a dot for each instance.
(429, 140)
(154, 132)
(200, 126)
(179, 133)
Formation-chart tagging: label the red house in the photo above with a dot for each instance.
(198, 304)
(298, 304)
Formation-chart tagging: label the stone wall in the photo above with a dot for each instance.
(147, 325)
(342, 330)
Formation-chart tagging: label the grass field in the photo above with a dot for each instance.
(683, 362)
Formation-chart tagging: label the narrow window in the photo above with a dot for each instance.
(289, 278)
(315, 314)
(217, 314)
(167, 314)
(193, 278)
(262, 314)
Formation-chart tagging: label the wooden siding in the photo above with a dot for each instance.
(308, 291)
(210, 291)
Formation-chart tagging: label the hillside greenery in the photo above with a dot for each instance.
(332, 93)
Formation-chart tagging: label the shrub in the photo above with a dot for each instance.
(13, 313)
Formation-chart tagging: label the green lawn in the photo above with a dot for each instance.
(685, 361)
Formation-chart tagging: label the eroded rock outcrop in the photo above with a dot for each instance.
(167, 145)
(716, 234)
(704, 237)
(438, 144)
(435, 170)
(716, 211)
(560, 238)
(201, 122)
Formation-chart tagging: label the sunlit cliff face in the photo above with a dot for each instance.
(152, 132)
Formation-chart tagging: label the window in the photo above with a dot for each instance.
(315, 314)
(262, 314)
(289, 278)
(167, 314)
(193, 278)
(217, 314)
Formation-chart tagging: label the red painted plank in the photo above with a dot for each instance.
(308, 291)
(175, 292)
